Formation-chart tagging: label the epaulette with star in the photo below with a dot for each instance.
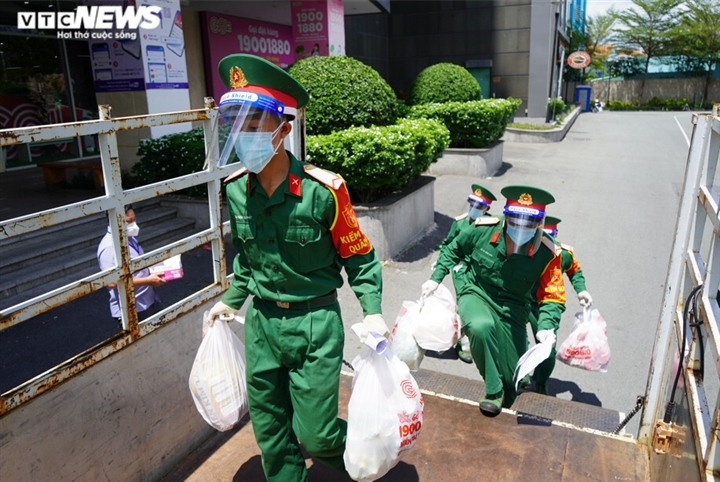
(551, 246)
(236, 175)
(326, 177)
(461, 217)
(486, 221)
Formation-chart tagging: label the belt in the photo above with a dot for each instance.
(312, 304)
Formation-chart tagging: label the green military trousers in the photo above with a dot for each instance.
(293, 360)
(543, 370)
(498, 338)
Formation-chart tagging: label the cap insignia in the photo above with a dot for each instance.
(525, 199)
(237, 78)
(478, 192)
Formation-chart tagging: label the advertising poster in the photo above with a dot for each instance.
(115, 57)
(225, 35)
(163, 48)
(318, 28)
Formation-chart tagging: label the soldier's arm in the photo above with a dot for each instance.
(454, 229)
(551, 295)
(574, 271)
(452, 254)
(238, 291)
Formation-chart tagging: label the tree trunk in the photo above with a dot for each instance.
(642, 84)
(707, 84)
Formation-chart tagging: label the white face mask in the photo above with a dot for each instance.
(133, 229)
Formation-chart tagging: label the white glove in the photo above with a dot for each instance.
(374, 323)
(428, 288)
(222, 311)
(585, 299)
(544, 336)
(432, 266)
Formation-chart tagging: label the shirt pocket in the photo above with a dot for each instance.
(306, 249)
(246, 232)
(519, 279)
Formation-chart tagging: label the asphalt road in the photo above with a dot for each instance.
(616, 178)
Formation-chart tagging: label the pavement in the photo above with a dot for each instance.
(616, 178)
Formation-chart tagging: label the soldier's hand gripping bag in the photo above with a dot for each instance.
(217, 378)
(403, 341)
(437, 327)
(587, 346)
(385, 415)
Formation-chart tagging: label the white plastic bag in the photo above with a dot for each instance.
(217, 378)
(403, 342)
(437, 326)
(385, 415)
(587, 346)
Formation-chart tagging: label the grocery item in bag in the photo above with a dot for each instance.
(385, 415)
(403, 341)
(437, 326)
(217, 378)
(587, 346)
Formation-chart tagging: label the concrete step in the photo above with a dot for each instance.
(80, 261)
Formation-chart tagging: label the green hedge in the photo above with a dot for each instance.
(344, 93)
(471, 124)
(171, 156)
(655, 103)
(443, 82)
(376, 161)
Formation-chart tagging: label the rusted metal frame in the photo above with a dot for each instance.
(56, 375)
(659, 375)
(45, 302)
(160, 188)
(169, 250)
(699, 416)
(51, 217)
(168, 314)
(26, 135)
(715, 125)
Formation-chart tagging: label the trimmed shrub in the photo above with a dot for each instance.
(443, 82)
(171, 156)
(344, 93)
(655, 103)
(557, 106)
(471, 124)
(376, 161)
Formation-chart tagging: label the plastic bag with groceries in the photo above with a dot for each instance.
(587, 346)
(437, 327)
(403, 340)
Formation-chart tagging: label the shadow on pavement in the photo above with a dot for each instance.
(556, 387)
(428, 244)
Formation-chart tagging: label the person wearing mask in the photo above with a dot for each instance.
(571, 267)
(144, 283)
(479, 202)
(294, 230)
(509, 256)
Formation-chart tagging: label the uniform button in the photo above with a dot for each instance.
(276, 268)
(282, 290)
(302, 239)
(271, 241)
(243, 237)
(267, 212)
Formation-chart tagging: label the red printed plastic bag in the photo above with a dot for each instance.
(587, 346)
(385, 415)
(403, 342)
(217, 378)
(437, 326)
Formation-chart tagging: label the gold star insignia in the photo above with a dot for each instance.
(525, 199)
(237, 78)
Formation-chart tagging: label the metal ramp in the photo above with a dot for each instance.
(458, 443)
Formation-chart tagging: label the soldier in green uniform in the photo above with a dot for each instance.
(571, 267)
(479, 200)
(509, 255)
(294, 230)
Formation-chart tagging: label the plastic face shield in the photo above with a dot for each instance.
(523, 225)
(248, 124)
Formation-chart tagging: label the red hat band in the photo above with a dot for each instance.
(286, 99)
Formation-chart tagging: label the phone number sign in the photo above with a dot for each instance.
(225, 35)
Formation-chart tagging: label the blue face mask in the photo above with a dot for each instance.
(520, 234)
(475, 213)
(255, 149)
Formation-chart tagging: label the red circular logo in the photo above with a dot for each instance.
(579, 59)
(408, 389)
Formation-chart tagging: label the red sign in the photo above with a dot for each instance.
(579, 59)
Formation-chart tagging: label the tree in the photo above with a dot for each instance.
(598, 32)
(648, 27)
(696, 39)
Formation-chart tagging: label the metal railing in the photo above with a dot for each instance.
(113, 203)
(694, 265)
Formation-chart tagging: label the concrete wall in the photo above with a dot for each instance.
(469, 162)
(542, 42)
(395, 222)
(194, 58)
(628, 90)
(127, 104)
(130, 417)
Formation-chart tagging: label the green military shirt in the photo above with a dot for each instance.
(507, 279)
(287, 249)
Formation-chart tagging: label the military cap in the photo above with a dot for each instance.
(527, 200)
(250, 73)
(550, 225)
(481, 194)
